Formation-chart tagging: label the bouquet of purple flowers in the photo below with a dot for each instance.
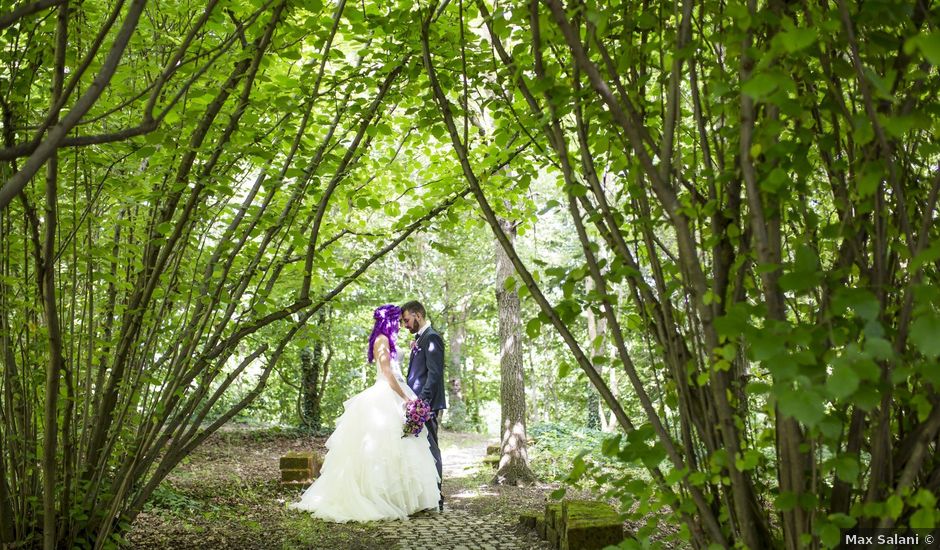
(417, 412)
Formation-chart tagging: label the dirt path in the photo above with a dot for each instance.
(227, 495)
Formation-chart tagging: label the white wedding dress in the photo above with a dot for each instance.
(370, 471)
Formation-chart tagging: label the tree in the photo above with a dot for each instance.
(769, 218)
(175, 255)
(513, 466)
(597, 338)
(314, 370)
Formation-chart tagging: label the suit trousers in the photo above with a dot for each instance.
(432, 426)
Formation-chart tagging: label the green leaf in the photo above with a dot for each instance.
(924, 499)
(897, 126)
(798, 280)
(785, 501)
(894, 506)
(795, 40)
(930, 255)
(843, 381)
(860, 300)
(578, 469)
(879, 348)
(759, 86)
(734, 322)
(846, 468)
(611, 446)
(829, 534)
(533, 328)
(924, 518)
(867, 397)
(925, 334)
(922, 405)
(805, 259)
(776, 180)
(765, 344)
(749, 461)
(675, 476)
(843, 521)
(929, 46)
(804, 404)
(757, 388)
(870, 177)
(930, 371)
(808, 501)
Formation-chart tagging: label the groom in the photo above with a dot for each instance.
(426, 372)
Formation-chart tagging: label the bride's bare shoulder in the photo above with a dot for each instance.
(380, 340)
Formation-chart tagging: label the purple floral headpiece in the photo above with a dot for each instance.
(386, 322)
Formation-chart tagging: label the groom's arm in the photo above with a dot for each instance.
(434, 360)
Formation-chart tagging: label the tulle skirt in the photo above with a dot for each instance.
(370, 472)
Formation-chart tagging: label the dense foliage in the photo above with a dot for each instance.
(754, 188)
(726, 236)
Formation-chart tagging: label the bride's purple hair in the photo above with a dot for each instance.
(386, 322)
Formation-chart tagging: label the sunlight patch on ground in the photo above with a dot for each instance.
(462, 454)
(474, 493)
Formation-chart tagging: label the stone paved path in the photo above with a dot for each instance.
(458, 528)
(455, 529)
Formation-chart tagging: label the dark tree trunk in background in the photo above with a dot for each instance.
(456, 401)
(310, 375)
(313, 369)
(514, 462)
(597, 338)
(593, 406)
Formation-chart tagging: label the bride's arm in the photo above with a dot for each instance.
(382, 354)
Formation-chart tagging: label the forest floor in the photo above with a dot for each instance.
(227, 495)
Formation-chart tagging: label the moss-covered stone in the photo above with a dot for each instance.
(527, 519)
(552, 536)
(553, 514)
(296, 475)
(587, 509)
(493, 449)
(491, 460)
(300, 466)
(586, 524)
(540, 527)
(295, 484)
(298, 460)
(591, 534)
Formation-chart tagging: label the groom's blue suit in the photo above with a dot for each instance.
(426, 378)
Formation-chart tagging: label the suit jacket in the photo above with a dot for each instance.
(426, 369)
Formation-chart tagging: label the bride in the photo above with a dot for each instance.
(370, 471)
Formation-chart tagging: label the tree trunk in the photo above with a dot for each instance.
(311, 388)
(309, 376)
(514, 462)
(457, 406)
(596, 336)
